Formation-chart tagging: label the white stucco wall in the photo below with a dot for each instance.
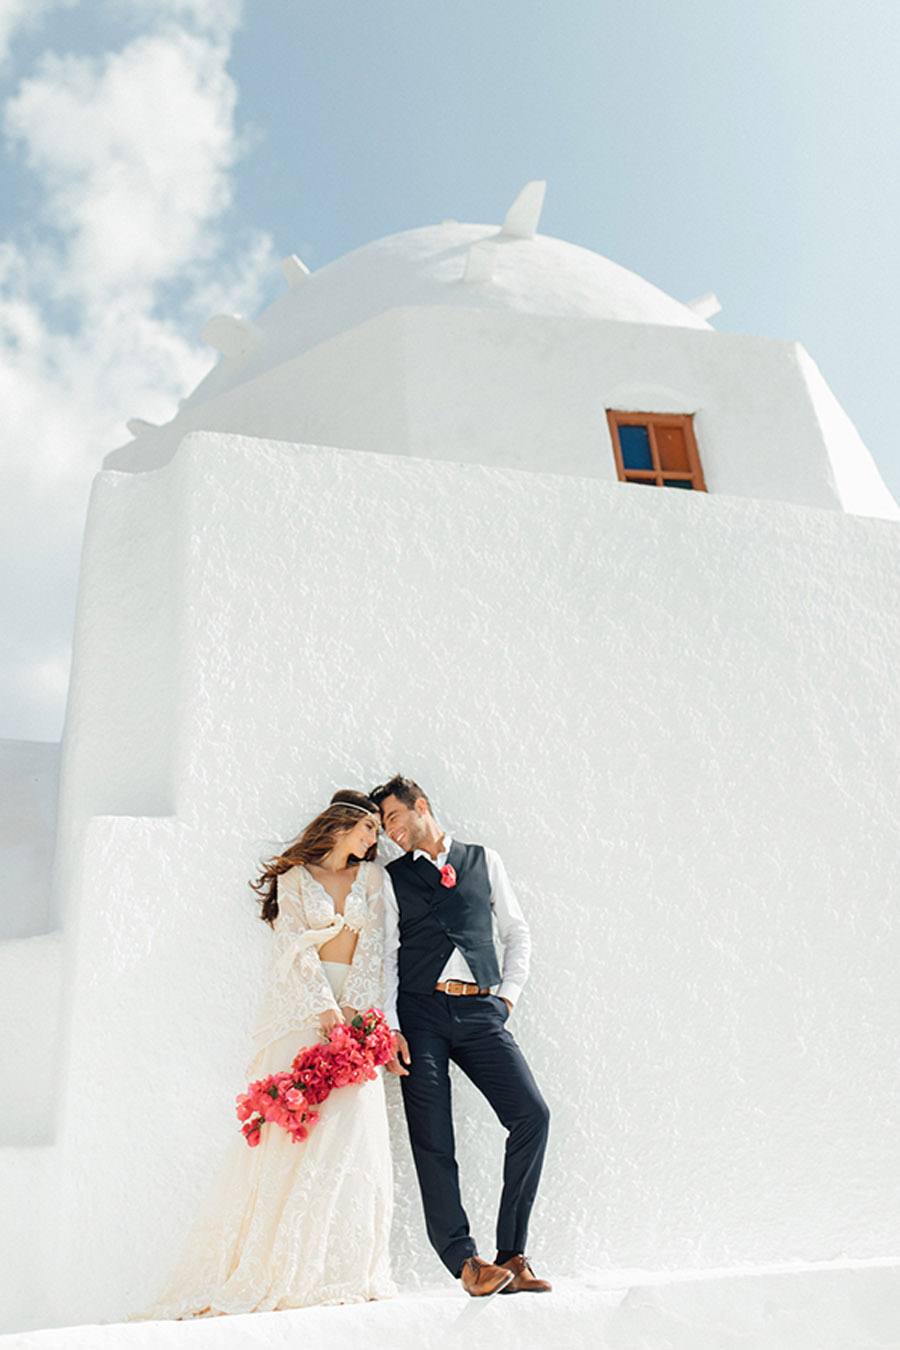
(858, 483)
(30, 1004)
(30, 1064)
(675, 716)
(123, 687)
(349, 390)
(427, 267)
(531, 392)
(30, 984)
(29, 781)
(26, 1228)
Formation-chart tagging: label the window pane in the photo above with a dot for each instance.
(635, 443)
(647, 482)
(672, 447)
(678, 482)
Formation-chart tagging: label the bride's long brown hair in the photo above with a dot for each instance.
(311, 846)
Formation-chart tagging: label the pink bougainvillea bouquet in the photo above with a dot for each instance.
(352, 1053)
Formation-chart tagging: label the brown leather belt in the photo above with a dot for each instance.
(460, 987)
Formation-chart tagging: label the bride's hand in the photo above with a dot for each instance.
(328, 1019)
(349, 1012)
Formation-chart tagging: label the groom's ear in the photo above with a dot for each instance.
(421, 806)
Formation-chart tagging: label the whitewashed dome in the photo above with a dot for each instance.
(460, 265)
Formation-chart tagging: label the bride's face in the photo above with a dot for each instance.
(362, 836)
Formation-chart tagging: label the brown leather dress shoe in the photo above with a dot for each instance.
(524, 1280)
(481, 1279)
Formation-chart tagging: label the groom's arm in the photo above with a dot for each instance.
(391, 946)
(401, 1054)
(512, 928)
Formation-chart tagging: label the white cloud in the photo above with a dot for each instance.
(23, 14)
(216, 18)
(135, 153)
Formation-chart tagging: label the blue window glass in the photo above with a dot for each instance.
(678, 482)
(635, 444)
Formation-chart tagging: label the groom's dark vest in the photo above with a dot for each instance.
(435, 918)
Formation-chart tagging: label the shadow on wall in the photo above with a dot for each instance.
(29, 780)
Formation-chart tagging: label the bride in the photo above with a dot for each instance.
(289, 1224)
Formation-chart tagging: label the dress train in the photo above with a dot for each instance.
(290, 1225)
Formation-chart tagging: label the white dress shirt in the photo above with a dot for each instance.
(509, 921)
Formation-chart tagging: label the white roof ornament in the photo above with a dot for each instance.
(138, 426)
(480, 261)
(295, 270)
(230, 334)
(706, 306)
(524, 215)
(521, 223)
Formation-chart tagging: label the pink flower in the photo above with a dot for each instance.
(448, 875)
(251, 1132)
(352, 1054)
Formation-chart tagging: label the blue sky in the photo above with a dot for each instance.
(160, 156)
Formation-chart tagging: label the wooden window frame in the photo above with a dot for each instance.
(616, 418)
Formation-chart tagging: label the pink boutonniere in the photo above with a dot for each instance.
(448, 875)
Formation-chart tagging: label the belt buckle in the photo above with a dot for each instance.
(459, 986)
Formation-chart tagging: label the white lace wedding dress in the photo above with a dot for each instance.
(286, 1224)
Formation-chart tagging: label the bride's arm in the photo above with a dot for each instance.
(364, 984)
(297, 995)
(297, 969)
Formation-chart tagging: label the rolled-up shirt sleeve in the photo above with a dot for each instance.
(391, 946)
(512, 929)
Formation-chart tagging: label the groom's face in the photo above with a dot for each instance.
(404, 824)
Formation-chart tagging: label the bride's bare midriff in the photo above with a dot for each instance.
(340, 948)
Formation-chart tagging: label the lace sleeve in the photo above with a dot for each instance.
(364, 987)
(297, 989)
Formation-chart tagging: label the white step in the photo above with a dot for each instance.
(836, 1306)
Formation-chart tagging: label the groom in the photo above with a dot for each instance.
(440, 975)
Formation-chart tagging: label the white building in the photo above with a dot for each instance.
(387, 533)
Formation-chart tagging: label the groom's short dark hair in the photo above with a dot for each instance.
(405, 790)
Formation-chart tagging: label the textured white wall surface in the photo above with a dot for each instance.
(530, 391)
(29, 780)
(676, 717)
(26, 1228)
(30, 1064)
(30, 985)
(30, 989)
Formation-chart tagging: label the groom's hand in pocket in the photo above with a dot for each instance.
(401, 1052)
